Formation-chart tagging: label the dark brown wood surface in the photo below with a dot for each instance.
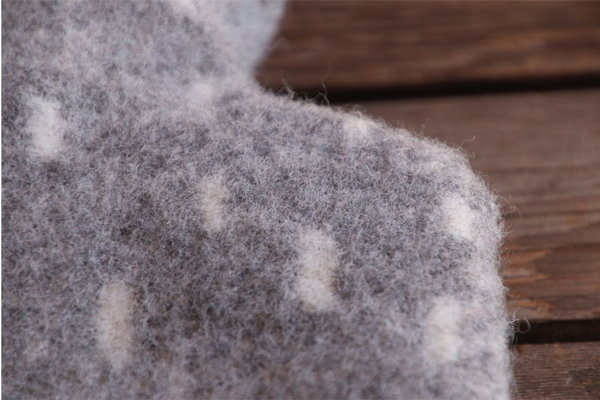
(384, 44)
(569, 371)
(540, 152)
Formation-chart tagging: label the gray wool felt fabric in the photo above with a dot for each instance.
(170, 230)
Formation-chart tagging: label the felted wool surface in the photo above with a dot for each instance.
(171, 230)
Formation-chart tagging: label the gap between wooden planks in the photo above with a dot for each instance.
(354, 45)
(541, 153)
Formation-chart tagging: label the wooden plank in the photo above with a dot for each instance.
(568, 371)
(373, 44)
(541, 153)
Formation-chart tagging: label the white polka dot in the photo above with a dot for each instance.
(443, 329)
(204, 91)
(358, 130)
(459, 217)
(184, 6)
(178, 380)
(318, 260)
(46, 127)
(212, 195)
(114, 323)
(36, 349)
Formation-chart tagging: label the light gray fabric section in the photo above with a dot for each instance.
(251, 24)
(171, 230)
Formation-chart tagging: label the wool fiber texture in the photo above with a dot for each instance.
(172, 230)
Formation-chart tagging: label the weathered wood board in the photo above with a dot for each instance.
(560, 371)
(385, 44)
(541, 153)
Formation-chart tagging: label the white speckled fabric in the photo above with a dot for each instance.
(171, 230)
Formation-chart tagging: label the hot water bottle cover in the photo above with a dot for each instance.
(170, 230)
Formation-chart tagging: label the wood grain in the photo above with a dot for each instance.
(393, 44)
(541, 153)
(569, 371)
